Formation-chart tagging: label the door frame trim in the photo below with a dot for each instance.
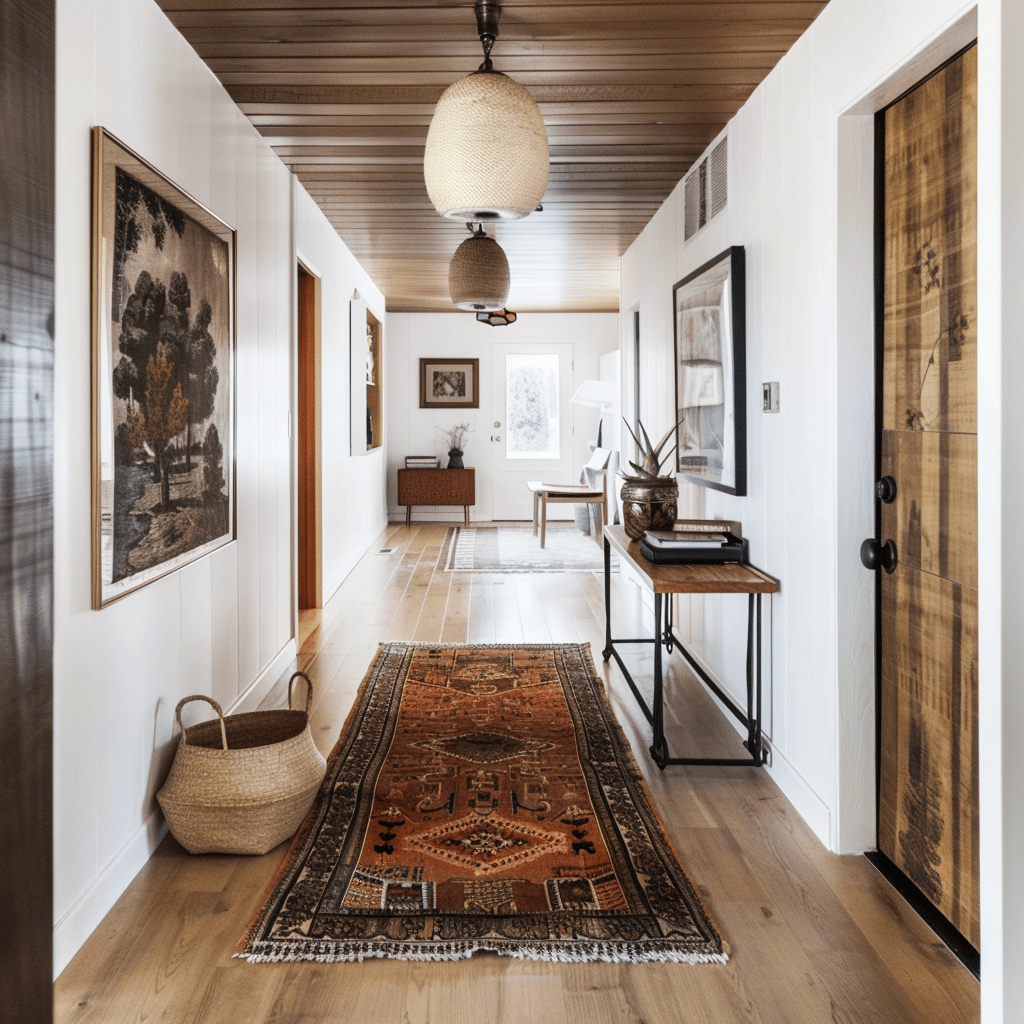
(853, 826)
(314, 552)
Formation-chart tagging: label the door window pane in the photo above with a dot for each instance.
(531, 406)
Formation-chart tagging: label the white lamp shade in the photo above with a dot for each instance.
(478, 277)
(598, 393)
(486, 156)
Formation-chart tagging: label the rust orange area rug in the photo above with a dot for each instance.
(482, 798)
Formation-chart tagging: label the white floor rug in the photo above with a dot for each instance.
(516, 549)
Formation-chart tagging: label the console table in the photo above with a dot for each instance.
(665, 580)
(436, 487)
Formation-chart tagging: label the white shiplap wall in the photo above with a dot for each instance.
(800, 202)
(224, 624)
(415, 431)
(352, 489)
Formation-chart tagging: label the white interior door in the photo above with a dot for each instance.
(531, 435)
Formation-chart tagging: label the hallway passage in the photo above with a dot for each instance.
(815, 937)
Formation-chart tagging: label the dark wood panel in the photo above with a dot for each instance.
(26, 508)
(437, 487)
(385, 12)
(317, 44)
(319, 27)
(309, 442)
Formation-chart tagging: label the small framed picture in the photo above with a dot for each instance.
(449, 383)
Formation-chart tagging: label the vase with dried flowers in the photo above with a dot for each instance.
(455, 438)
(649, 500)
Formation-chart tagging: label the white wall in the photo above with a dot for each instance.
(415, 431)
(1000, 498)
(800, 202)
(352, 488)
(223, 625)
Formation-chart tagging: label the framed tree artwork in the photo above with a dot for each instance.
(449, 383)
(163, 375)
(710, 373)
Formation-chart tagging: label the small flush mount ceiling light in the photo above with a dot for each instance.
(486, 156)
(478, 277)
(499, 318)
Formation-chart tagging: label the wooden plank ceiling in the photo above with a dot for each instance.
(632, 93)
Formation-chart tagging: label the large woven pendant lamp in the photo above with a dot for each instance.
(487, 149)
(478, 277)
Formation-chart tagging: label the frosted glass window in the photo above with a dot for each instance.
(531, 407)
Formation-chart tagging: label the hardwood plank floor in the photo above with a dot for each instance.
(815, 938)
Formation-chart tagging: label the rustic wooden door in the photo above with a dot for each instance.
(928, 793)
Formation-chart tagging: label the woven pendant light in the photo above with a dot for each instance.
(486, 155)
(478, 277)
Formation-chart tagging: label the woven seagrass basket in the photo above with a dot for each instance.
(242, 784)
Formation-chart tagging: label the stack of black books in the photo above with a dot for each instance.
(695, 540)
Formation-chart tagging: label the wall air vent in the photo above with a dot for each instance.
(706, 188)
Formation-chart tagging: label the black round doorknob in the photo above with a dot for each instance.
(878, 556)
(885, 489)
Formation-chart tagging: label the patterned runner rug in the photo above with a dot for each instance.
(482, 798)
(515, 549)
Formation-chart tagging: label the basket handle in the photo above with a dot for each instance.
(213, 704)
(309, 689)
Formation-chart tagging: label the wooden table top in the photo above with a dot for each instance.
(697, 578)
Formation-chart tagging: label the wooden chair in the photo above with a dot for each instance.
(574, 494)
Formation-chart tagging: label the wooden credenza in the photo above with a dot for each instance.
(436, 487)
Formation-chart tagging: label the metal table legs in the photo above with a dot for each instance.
(665, 636)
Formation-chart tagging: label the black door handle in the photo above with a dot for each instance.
(885, 489)
(874, 555)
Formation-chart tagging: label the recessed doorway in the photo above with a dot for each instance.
(310, 582)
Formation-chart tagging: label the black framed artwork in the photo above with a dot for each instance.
(710, 373)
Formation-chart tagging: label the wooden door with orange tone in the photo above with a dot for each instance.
(928, 788)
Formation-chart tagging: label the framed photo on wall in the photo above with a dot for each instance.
(163, 342)
(710, 373)
(449, 383)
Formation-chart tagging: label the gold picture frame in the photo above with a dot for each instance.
(163, 375)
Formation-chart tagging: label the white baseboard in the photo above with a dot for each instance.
(84, 917)
(349, 563)
(251, 696)
(798, 791)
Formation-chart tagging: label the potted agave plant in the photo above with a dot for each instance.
(648, 498)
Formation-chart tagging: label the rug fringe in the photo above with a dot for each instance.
(578, 953)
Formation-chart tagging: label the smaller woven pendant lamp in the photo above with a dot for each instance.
(478, 277)
(486, 156)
